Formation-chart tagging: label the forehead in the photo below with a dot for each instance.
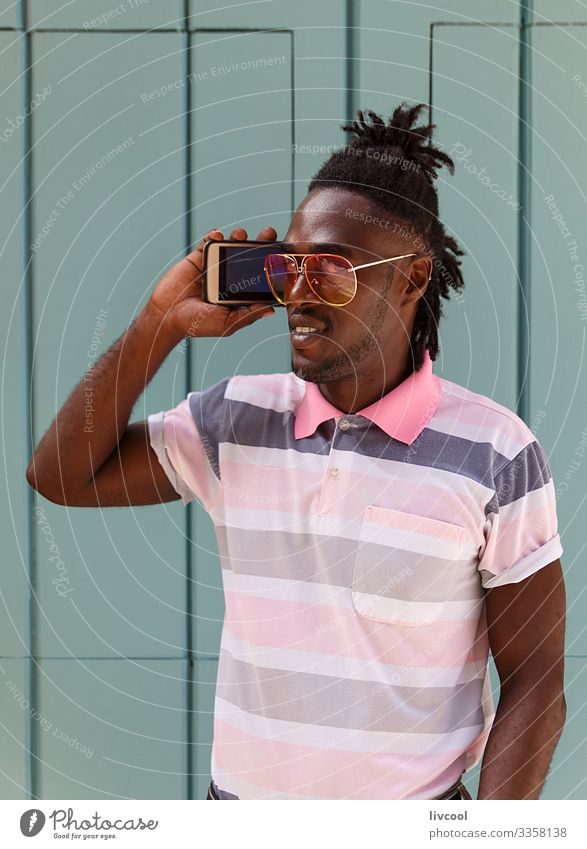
(347, 218)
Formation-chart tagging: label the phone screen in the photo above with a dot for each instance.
(241, 273)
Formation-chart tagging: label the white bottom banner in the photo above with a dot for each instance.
(299, 824)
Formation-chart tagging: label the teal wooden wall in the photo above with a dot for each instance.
(145, 127)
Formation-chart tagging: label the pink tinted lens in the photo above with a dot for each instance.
(281, 272)
(332, 277)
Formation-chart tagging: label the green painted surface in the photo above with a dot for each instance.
(114, 674)
(558, 314)
(107, 177)
(112, 729)
(573, 11)
(15, 712)
(8, 13)
(474, 98)
(13, 514)
(90, 15)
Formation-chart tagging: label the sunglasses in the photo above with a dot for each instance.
(331, 277)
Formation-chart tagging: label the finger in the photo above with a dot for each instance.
(195, 257)
(212, 234)
(268, 234)
(239, 234)
(249, 314)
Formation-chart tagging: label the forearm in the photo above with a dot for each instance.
(528, 723)
(72, 450)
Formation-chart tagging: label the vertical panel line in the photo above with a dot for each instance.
(32, 743)
(189, 514)
(524, 224)
(430, 75)
(351, 63)
(292, 47)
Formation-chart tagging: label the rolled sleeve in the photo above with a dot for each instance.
(177, 442)
(521, 528)
(157, 439)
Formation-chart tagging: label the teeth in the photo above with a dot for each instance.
(307, 329)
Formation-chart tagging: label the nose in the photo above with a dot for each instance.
(301, 293)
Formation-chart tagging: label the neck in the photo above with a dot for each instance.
(351, 394)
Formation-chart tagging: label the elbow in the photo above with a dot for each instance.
(543, 690)
(36, 482)
(556, 707)
(559, 703)
(559, 716)
(31, 476)
(563, 711)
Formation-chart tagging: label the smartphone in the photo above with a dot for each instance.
(234, 273)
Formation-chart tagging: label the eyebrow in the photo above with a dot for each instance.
(322, 247)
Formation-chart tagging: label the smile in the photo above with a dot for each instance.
(303, 337)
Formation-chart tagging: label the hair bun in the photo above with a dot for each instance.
(399, 132)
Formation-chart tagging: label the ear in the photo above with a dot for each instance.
(420, 276)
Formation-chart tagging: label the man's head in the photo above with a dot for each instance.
(375, 199)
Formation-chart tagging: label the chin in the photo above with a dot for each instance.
(304, 370)
(308, 371)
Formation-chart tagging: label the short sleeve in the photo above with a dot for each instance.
(186, 441)
(521, 528)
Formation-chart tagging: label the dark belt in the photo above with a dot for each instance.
(456, 791)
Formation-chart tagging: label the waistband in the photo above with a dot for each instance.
(456, 791)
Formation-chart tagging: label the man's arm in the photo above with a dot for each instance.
(526, 627)
(114, 465)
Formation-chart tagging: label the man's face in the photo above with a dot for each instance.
(376, 326)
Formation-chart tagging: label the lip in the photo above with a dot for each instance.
(304, 340)
(297, 320)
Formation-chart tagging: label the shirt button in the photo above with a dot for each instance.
(344, 424)
(334, 473)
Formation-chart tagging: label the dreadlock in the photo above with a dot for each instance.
(391, 164)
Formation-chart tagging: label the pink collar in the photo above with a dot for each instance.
(402, 413)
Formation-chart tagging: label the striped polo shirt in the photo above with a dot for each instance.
(354, 551)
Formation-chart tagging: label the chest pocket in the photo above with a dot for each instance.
(406, 568)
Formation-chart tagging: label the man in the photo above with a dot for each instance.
(380, 528)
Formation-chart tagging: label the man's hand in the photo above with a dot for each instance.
(526, 627)
(178, 295)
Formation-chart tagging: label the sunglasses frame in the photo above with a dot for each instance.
(301, 268)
